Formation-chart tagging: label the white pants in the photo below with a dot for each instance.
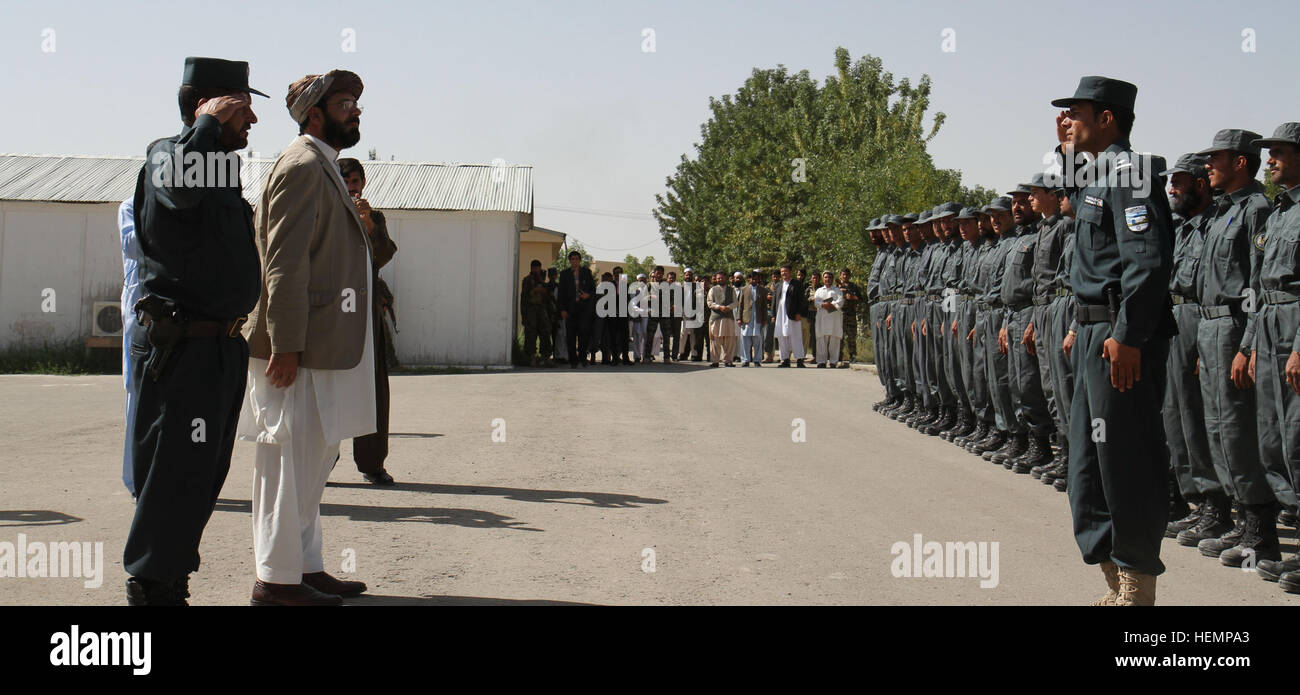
(828, 346)
(638, 336)
(787, 342)
(288, 481)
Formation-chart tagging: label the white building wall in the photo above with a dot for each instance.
(453, 284)
(70, 248)
(453, 278)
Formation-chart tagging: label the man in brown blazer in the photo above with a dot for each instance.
(752, 319)
(370, 451)
(311, 367)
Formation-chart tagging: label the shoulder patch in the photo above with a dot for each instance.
(1094, 200)
(1136, 218)
(1260, 239)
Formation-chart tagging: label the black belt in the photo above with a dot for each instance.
(1219, 311)
(1279, 297)
(1092, 313)
(907, 301)
(1042, 301)
(1018, 307)
(205, 329)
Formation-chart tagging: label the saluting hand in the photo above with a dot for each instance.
(223, 108)
(1125, 364)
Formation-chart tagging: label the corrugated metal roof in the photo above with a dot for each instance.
(389, 185)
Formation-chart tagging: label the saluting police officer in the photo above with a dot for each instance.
(1123, 254)
(201, 276)
(1275, 332)
(1234, 235)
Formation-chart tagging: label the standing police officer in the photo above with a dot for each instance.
(1274, 331)
(1123, 254)
(201, 277)
(1234, 234)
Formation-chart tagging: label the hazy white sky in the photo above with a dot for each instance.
(567, 88)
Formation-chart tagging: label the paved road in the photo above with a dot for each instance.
(597, 466)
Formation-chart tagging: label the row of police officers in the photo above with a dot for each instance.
(1122, 345)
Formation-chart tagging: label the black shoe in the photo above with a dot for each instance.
(1216, 520)
(1287, 518)
(784, 363)
(381, 478)
(1173, 528)
(1290, 582)
(996, 440)
(1015, 446)
(1272, 570)
(147, 592)
(1214, 547)
(1259, 538)
(799, 363)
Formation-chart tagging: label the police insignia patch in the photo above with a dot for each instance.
(1136, 218)
(1259, 241)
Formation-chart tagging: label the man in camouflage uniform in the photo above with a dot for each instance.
(535, 302)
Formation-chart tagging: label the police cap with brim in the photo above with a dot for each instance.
(1001, 202)
(1190, 163)
(1039, 180)
(215, 73)
(895, 220)
(1233, 140)
(1285, 134)
(1106, 90)
(923, 217)
(969, 214)
(1021, 188)
(946, 210)
(908, 218)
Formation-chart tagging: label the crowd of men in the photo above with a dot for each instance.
(569, 317)
(1004, 330)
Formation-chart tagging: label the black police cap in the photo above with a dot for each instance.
(215, 73)
(1106, 90)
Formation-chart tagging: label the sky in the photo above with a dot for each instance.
(570, 89)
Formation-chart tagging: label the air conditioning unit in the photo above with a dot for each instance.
(106, 319)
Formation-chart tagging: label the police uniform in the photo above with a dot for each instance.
(1024, 376)
(1223, 285)
(201, 266)
(1184, 410)
(989, 318)
(1120, 276)
(946, 309)
(1273, 332)
(976, 390)
(1060, 323)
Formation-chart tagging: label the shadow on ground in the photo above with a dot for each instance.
(36, 517)
(469, 518)
(380, 600)
(608, 500)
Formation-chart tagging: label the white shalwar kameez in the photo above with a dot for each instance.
(788, 332)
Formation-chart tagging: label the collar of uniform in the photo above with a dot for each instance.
(1245, 191)
(1049, 221)
(1289, 197)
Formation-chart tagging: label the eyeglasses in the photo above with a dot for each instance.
(349, 104)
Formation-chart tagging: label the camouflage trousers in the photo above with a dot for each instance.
(537, 326)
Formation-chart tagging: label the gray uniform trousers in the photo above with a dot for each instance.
(954, 350)
(1025, 380)
(881, 345)
(996, 370)
(1044, 338)
(1184, 412)
(1279, 406)
(940, 344)
(902, 347)
(921, 377)
(1230, 412)
(1060, 314)
(973, 368)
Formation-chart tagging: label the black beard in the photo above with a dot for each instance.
(338, 135)
(231, 140)
(1185, 204)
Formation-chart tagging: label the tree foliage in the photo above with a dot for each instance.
(571, 245)
(859, 141)
(631, 266)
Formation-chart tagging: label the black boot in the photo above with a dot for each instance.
(1061, 478)
(1173, 528)
(994, 441)
(1214, 547)
(947, 424)
(148, 592)
(1178, 507)
(1259, 539)
(1216, 520)
(1015, 446)
(1039, 454)
(980, 431)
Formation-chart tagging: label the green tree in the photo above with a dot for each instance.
(788, 169)
(631, 266)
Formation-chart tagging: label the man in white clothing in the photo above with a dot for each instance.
(829, 327)
(788, 310)
(311, 367)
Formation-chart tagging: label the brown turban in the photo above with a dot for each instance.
(309, 90)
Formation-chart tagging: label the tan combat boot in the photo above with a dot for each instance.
(1136, 588)
(1111, 570)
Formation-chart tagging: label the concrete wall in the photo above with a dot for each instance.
(73, 249)
(454, 278)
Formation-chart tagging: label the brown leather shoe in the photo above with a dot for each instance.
(267, 594)
(324, 583)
